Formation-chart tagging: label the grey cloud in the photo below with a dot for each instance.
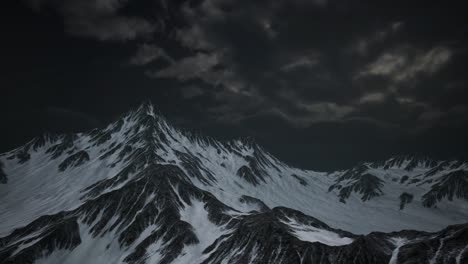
(427, 63)
(299, 112)
(111, 29)
(248, 72)
(326, 110)
(431, 114)
(363, 45)
(197, 66)
(300, 63)
(204, 66)
(252, 60)
(228, 110)
(246, 53)
(456, 114)
(323, 111)
(194, 37)
(268, 27)
(148, 53)
(401, 66)
(374, 97)
(405, 100)
(386, 65)
(396, 26)
(192, 91)
(311, 114)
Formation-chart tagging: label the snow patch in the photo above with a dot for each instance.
(398, 242)
(205, 230)
(313, 234)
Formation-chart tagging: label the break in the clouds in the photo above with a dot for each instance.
(299, 63)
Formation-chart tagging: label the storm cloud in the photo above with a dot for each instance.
(373, 74)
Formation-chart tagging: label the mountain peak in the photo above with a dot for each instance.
(148, 107)
(145, 110)
(143, 191)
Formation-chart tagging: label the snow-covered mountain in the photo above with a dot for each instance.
(141, 191)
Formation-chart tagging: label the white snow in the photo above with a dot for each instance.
(205, 230)
(102, 249)
(281, 189)
(313, 234)
(37, 188)
(378, 214)
(398, 242)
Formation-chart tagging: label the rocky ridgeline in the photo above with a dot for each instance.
(139, 211)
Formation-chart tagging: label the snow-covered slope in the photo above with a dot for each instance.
(141, 191)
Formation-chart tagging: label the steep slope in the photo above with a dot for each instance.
(141, 191)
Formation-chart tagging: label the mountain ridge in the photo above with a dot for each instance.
(142, 191)
(247, 140)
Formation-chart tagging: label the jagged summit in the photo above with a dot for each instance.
(145, 110)
(407, 161)
(151, 118)
(142, 191)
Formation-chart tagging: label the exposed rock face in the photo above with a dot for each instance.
(407, 162)
(300, 179)
(23, 156)
(450, 186)
(140, 191)
(447, 246)
(58, 232)
(246, 173)
(74, 160)
(3, 177)
(405, 198)
(446, 180)
(358, 181)
(254, 201)
(66, 143)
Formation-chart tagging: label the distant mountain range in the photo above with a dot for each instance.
(142, 191)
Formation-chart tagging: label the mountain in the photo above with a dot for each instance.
(142, 191)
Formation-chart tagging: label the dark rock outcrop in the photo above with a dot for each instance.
(451, 185)
(368, 185)
(74, 160)
(3, 176)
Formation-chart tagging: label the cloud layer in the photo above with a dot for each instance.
(301, 64)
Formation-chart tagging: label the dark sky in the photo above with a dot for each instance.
(322, 84)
